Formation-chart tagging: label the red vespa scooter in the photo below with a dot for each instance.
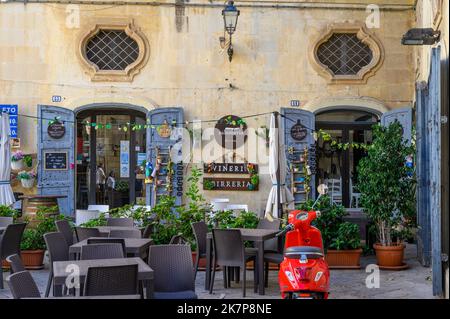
(304, 273)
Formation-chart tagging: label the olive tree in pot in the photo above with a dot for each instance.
(387, 185)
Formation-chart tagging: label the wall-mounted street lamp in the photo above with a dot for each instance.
(418, 36)
(230, 17)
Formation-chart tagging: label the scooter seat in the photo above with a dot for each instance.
(310, 252)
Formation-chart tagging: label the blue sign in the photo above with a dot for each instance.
(12, 110)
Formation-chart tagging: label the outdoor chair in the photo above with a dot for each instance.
(5, 221)
(64, 228)
(120, 241)
(178, 240)
(101, 251)
(272, 252)
(200, 229)
(58, 250)
(229, 251)
(172, 266)
(110, 281)
(83, 233)
(123, 222)
(125, 233)
(10, 243)
(15, 263)
(22, 285)
(148, 230)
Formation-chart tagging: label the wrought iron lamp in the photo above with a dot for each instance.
(230, 17)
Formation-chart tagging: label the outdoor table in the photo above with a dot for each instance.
(145, 273)
(105, 230)
(2, 229)
(258, 236)
(137, 247)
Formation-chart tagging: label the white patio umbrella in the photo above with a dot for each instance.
(279, 193)
(6, 193)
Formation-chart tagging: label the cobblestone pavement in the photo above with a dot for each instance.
(413, 283)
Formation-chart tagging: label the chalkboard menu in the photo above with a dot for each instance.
(55, 161)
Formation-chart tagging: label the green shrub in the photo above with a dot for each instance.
(347, 237)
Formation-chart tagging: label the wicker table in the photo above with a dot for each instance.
(60, 273)
(258, 236)
(136, 247)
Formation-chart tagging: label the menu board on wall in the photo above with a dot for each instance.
(55, 161)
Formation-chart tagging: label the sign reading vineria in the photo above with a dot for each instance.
(229, 184)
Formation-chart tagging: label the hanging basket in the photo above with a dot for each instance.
(27, 183)
(17, 165)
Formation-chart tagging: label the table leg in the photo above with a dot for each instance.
(260, 245)
(208, 263)
(149, 289)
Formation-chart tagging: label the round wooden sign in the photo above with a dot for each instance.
(56, 130)
(231, 132)
(299, 132)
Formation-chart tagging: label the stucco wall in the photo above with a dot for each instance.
(187, 67)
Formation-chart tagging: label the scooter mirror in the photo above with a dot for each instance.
(322, 189)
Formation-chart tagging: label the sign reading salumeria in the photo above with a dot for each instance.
(228, 184)
(228, 168)
(55, 161)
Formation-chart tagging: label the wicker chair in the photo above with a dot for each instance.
(148, 230)
(125, 233)
(5, 221)
(15, 263)
(64, 228)
(86, 232)
(172, 265)
(178, 240)
(123, 222)
(101, 251)
(120, 241)
(116, 280)
(22, 285)
(229, 251)
(200, 229)
(10, 243)
(58, 250)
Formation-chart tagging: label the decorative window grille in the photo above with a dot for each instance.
(112, 50)
(344, 54)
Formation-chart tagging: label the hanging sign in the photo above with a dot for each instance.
(12, 110)
(228, 184)
(164, 130)
(125, 159)
(231, 132)
(228, 168)
(56, 130)
(298, 131)
(55, 161)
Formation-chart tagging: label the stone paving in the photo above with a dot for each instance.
(413, 283)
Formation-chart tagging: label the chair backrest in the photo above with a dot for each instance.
(100, 208)
(86, 232)
(271, 244)
(101, 251)
(120, 241)
(82, 216)
(148, 230)
(228, 247)
(10, 239)
(22, 285)
(16, 263)
(124, 222)
(5, 221)
(178, 240)
(125, 233)
(200, 229)
(64, 228)
(173, 267)
(110, 281)
(57, 247)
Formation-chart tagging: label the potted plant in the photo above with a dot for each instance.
(27, 179)
(17, 160)
(386, 182)
(6, 211)
(345, 248)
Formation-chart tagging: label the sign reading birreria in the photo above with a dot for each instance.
(228, 168)
(228, 184)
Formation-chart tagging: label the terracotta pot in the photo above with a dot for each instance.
(33, 259)
(389, 256)
(343, 259)
(5, 264)
(201, 262)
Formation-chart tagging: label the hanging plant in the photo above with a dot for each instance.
(28, 160)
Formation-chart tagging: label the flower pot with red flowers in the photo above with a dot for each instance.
(386, 180)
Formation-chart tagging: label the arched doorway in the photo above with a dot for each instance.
(338, 167)
(110, 149)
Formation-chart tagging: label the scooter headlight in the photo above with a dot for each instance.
(318, 276)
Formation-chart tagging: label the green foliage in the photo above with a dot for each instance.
(164, 220)
(209, 185)
(95, 222)
(225, 219)
(386, 184)
(347, 237)
(32, 240)
(6, 211)
(246, 220)
(28, 160)
(122, 186)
